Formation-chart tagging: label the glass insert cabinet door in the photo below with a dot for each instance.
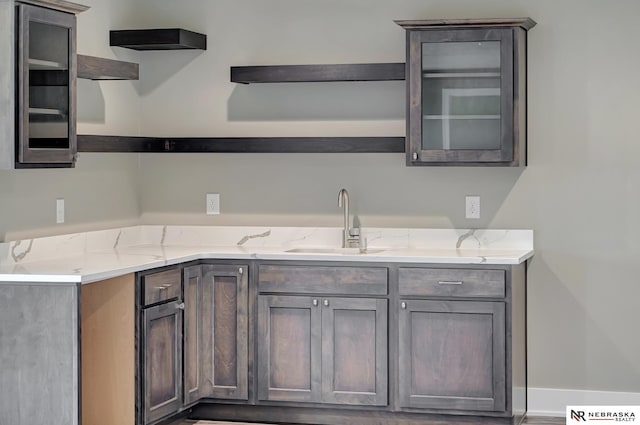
(461, 96)
(46, 71)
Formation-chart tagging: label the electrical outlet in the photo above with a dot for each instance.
(472, 207)
(213, 203)
(59, 210)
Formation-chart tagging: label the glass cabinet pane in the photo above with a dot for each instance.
(461, 104)
(49, 83)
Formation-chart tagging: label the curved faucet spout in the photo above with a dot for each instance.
(350, 237)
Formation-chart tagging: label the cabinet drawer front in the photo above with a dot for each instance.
(161, 286)
(452, 282)
(323, 280)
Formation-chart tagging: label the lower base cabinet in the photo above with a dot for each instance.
(320, 334)
(452, 355)
(322, 350)
(193, 338)
(224, 348)
(162, 356)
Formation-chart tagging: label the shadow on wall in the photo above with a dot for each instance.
(581, 340)
(91, 105)
(165, 64)
(318, 101)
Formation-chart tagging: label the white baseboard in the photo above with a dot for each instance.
(552, 402)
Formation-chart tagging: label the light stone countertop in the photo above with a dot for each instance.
(98, 255)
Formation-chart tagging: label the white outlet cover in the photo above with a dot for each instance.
(213, 203)
(472, 207)
(59, 210)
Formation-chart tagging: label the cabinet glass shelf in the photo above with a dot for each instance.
(46, 111)
(462, 117)
(40, 64)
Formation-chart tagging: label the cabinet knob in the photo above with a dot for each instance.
(240, 271)
(326, 303)
(180, 306)
(414, 156)
(315, 303)
(403, 305)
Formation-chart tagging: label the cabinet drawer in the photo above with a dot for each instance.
(323, 280)
(162, 286)
(452, 282)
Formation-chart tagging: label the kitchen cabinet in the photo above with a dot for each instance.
(160, 355)
(451, 355)
(38, 83)
(318, 348)
(224, 331)
(454, 349)
(466, 92)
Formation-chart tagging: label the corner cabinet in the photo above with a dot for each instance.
(466, 92)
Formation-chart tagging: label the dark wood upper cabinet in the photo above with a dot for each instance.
(46, 88)
(466, 92)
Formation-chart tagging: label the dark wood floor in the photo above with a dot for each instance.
(528, 421)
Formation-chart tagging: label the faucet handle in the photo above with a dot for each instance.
(354, 231)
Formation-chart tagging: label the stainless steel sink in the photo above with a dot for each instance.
(341, 251)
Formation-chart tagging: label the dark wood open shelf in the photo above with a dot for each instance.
(318, 73)
(94, 68)
(97, 143)
(158, 39)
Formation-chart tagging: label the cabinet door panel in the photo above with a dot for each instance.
(225, 331)
(46, 87)
(461, 96)
(192, 334)
(452, 355)
(288, 348)
(354, 351)
(162, 360)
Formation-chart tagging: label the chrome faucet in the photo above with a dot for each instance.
(350, 236)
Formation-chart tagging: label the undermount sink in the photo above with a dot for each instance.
(343, 251)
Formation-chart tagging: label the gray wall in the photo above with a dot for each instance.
(580, 192)
(103, 190)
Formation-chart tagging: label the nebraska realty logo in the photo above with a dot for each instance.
(581, 414)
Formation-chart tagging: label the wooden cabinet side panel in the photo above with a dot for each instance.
(192, 334)
(39, 354)
(108, 352)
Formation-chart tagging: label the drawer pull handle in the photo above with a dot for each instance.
(449, 282)
(164, 287)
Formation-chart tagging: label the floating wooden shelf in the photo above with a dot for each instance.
(317, 73)
(96, 143)
(94, 68)
(158, 39)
